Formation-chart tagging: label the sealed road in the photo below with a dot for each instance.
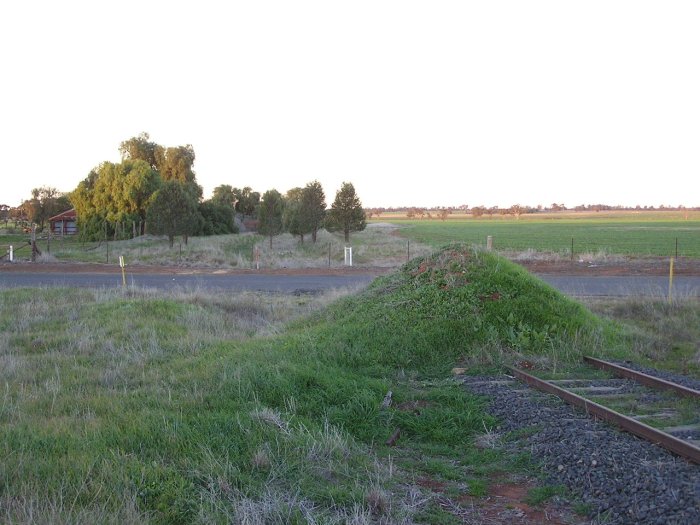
(574, 285)
(623, 286)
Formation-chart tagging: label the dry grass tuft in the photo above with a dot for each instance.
(271, 417)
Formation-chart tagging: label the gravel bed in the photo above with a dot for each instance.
(625, 480)
(668, 376)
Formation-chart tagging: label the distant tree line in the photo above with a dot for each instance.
(516, 210)
(154, 190)
(302, 211)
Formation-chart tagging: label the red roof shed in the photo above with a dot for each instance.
(64, 223)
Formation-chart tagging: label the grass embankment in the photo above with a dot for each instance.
(594, 235)
(129, 407)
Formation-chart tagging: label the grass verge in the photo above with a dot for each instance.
(140, 406)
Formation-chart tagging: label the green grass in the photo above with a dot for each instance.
(135, 406)
(540, 495)
(661, 334)
(609, 234)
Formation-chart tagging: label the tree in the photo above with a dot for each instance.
(224, 195)
(5, 213)
(292, 216)
(270, 214)
(112, 194)
(313, 208)
(346, 212)
(173, 211)
(45, 203)
(172, 163)
(175, 163)
(478, 211)
(443, 214)
(247, 200)
(140, 148)
(517, 210)
(218, 219)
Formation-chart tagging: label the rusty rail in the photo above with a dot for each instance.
(640, 377)
(669, 442)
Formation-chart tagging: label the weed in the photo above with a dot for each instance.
(540, 495)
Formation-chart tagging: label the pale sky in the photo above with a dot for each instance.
(416, 103)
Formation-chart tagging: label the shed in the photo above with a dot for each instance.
(64, 223)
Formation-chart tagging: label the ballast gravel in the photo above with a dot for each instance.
(624, 480)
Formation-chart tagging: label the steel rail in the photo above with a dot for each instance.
(669, 442)
(640, 377)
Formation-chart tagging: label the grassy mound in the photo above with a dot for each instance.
(140, 408)
(457, 305)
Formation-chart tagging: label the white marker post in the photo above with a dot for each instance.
(121, 263)
(12, 253)
(348, 256)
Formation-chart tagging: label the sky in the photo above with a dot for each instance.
(416, 103)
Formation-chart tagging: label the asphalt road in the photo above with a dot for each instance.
(601, 286)
(623, 286)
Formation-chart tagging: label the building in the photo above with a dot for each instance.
(64, 223)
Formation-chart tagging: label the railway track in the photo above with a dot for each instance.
(630, 391)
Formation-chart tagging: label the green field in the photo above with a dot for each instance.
(647, 234)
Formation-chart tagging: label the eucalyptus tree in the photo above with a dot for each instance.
(224, 195)
(113, 193)
(247, 200)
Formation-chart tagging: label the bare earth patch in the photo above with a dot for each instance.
(504, 504)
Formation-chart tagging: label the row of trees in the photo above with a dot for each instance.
(302, 211)
(155, 188)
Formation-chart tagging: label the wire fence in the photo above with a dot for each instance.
(573, 247)
(583, 245)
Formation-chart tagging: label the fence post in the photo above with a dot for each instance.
(489, 242)
(572, 249)
(670, 282)
(121, 263)
(33, 242)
